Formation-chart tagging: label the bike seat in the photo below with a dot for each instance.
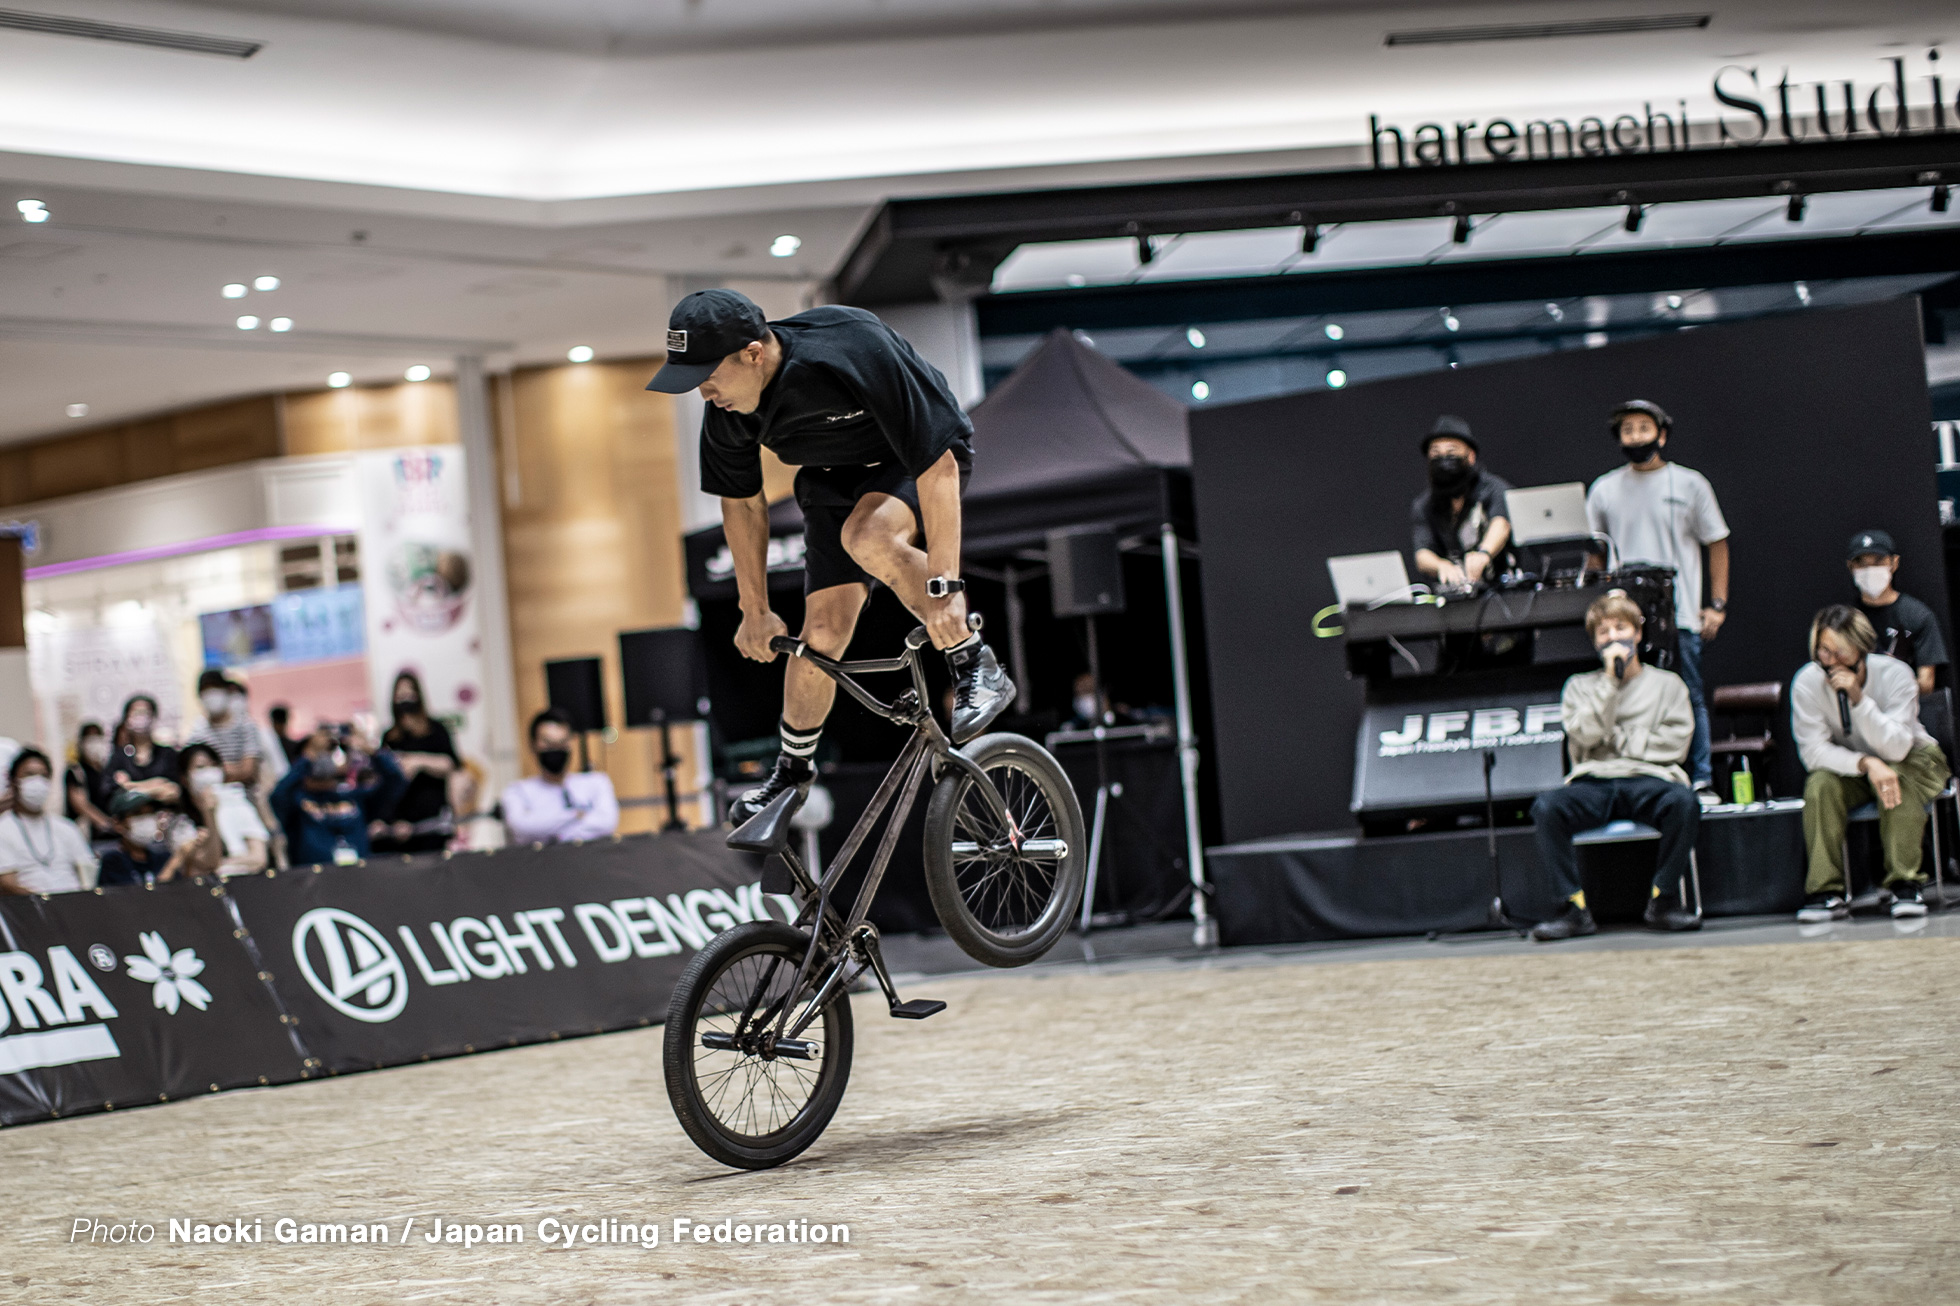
(768, 830)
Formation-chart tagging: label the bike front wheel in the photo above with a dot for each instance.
(1005, 891)
(745, 1101)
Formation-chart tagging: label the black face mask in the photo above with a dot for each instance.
(1449, 473)
(554, 760)
(1640, 453)
(407, 706)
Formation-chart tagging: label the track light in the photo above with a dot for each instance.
(1797, 205)
(1461, 233)
(1942, 197)
(1145, 254)
(1636, 213)
(1309, 237)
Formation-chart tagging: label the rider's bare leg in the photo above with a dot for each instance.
(829, 618)
(882, 536)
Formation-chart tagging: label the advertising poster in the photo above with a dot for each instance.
(85, 673)
(419, 580)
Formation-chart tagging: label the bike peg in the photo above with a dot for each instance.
(974, 621)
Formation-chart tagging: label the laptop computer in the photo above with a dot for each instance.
(1543, 513)
(1361, 578)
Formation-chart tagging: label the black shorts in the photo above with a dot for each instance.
(828, 496)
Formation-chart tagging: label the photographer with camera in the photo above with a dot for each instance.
(336, 787)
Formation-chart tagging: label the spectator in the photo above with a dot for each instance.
(1461, 524)
(1627, 728)
(84, 781)
(1905, 627)
(41, 851)
(329, 797)
(136, 761)
(231, 837)
(557, 806)
(144, 852)
(1662, 513)
(424, 817)
(1855, 715)
(281, 717)
(227, 729)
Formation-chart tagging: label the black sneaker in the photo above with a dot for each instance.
(1575, 922)
(1822, 908)
(981, 690)
(1906, 901)
(789, 774)
(1665, 914)
(1871, 902)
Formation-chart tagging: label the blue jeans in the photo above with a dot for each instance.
(1699, 768)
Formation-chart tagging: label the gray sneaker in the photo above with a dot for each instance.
(1823, 908)
(981, 690)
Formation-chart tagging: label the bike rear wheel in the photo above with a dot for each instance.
(1006, 895)
(741, 1103)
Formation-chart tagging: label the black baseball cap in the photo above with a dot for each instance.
(703, 329)
(1870, 542)
(1454, 428)
(1632, 406)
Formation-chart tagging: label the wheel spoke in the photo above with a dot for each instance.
(748, 1096)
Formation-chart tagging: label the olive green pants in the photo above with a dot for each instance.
(1829, 797)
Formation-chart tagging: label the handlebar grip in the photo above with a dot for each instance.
(784, 644)
(918, 638)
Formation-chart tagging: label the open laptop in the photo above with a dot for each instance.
(1361, 578)
(1541, 514)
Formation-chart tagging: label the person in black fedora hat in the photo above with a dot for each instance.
(1906, 628)
(1462, 529)
(882, 450)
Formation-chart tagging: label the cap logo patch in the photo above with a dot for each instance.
(677, 342)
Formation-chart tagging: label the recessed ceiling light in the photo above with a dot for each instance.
(1200, 390)
(1196, 337)
(785, 246)
(32, 210)
(579, 353)
(281, 324)
(1336, 379)
(1333, 331)
(1076, 279)
(1450, 323)
(235, 290)
(265, 283)
(78, 410)
(340, 380)
(248, 323)
(419, 372)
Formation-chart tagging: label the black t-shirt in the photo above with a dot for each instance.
(89, 780)
(426, 794)
(1908, 630)
(850, 393)
(1451, 533)
(123, 768)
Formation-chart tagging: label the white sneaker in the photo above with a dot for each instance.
(1707, 795)
(1907, 903)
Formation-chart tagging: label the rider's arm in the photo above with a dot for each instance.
(939, 509)
(746, 524)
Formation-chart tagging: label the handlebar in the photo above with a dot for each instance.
(918, 639)
(784, 644)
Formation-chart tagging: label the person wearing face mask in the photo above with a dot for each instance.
(144, 850)
(1662, 514)
(41, 851)
(1854, 713)
(333, 793)
(136, 760)
(423, 817)
(1906, 628)
(1462, 530)
(227, 729)
(558, 805)
(84, 781)
(1627, 729)
(231, 838)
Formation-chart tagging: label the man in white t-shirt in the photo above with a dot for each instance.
(40, 851)
(1663, 514)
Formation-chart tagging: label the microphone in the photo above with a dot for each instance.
(1844, 711)
(1619, 666)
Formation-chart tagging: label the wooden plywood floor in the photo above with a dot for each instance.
(1761, 1124)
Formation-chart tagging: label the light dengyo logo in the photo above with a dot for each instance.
(364, 975)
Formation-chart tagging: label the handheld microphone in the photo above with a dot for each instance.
(1619, 666)
(1844, 711)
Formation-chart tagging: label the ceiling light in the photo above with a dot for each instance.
(1635, 213)
(248, 323)
(1803, 292)
(281, 324)
(1674, 302)
(1449, 321)
(1200, 391)
(33, 210)
(340, 380)
(235, 290)
(1460, 234)
(579, 353)
(1076, 279)
(265, 283)
(1195, 336)
(78, 410)
(785, 246)
(1554, 312)
(1797, 203)
(1336, 379)
(35, 215)
(420, 372)
(1333, 331)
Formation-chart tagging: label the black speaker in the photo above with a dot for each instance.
(666, 676)
(1085, 572)
(573, 686)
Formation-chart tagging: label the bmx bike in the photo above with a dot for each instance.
(758, 1039)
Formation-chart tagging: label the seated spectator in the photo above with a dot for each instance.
(41, 851)
(1906, 628)
(144, 851)
(423, 819)
(280, 716)
(136, 760)
(1855, 715)
(1089, 712)
(559, 805)
(1627, 730)
(227, 729)
(231, 837)
(84, 781)
(330, 796)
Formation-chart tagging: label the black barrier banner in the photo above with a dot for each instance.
(130, 996)
(384, 964)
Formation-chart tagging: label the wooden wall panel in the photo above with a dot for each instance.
(370, 417)
(221, 434)
(216, 435)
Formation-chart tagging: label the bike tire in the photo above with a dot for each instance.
(706, 1085)
(1002, 908)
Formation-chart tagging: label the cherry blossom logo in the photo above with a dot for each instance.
(172, 975)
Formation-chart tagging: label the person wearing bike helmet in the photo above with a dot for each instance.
(882, 450)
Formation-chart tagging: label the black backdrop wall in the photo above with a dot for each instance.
(1810, 426)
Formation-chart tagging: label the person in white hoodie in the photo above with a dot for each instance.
(1855, 716)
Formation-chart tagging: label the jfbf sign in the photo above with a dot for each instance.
(1430, 755)
(1779, 112)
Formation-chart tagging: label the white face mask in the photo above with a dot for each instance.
(144, 829)
(1872, 581)
(32, 792)
(215, 701)
(95, 750)
(1085, 706)
(207, 777)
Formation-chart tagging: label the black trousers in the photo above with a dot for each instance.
(1590, 802)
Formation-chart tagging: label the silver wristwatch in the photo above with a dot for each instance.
(939, 587)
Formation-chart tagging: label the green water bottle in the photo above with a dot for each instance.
(1743, 783)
